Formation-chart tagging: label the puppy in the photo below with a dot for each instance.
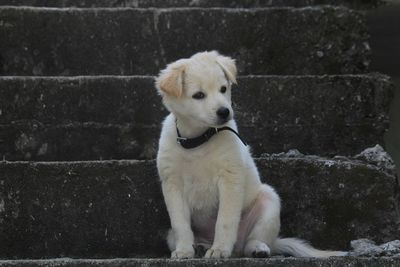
(210, 182)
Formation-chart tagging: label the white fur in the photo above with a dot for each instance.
(218, 178)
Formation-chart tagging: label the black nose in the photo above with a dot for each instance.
(223, 113)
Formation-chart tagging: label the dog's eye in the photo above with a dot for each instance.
(199, 95)
(223, 89)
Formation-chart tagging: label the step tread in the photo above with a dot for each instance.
(127, 41)
(272, 262)
(115, 208)
(50, 118)
(175, 3)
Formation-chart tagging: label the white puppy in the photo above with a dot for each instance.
(212, 188)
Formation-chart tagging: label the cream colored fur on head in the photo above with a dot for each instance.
(213, 192)
(206, 73)
(170, 80)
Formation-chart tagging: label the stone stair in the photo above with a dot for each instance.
(115, 208)
(100, 41)
(190, 3)
(274, 262)
(80, 119)
(63, 118)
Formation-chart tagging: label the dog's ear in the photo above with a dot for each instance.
(170, 80)
(228, 65)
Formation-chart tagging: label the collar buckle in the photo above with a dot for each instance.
(180, 139)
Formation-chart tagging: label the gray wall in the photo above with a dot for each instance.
(384, 25)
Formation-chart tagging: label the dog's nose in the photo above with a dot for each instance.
(223, 113)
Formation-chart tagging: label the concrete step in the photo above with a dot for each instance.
(188, 3)
(126, 41)
(78, 141)
(273, 262)
(83, 118)
(115, 208)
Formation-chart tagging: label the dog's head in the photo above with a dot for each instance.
(199, 88)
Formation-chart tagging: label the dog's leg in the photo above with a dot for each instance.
(171, 240)
(179, 214)
(266, 229)
(230, 206)
(200, 248)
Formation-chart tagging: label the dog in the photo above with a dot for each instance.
(210, 183)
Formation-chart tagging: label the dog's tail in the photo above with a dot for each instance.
(300, 248)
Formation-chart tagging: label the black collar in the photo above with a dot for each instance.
(199, 140)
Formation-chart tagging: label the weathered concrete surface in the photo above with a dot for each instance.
(106, 99)
(115, 208)
(378, 156)
(324, 115)
(48, 42)
(82, 209)
(368, 248)
(188, 3)
(274, 262)
(334, 200)
(78, 141)
(81, 118)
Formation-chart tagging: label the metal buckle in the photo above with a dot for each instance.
(179, 139)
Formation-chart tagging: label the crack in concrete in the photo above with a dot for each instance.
(156, 15)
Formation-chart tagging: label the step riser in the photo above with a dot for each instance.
(325, 115)
(186, 3)
(43, 42)
(81, 99)
(115, 209)
(78, 142)
(82, 142)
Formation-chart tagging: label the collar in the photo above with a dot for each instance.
(189, 143)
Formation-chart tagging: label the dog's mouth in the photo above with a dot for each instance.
(221, 122)
(215, 122)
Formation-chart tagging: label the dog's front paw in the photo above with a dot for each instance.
(183, 253)
(216, 253)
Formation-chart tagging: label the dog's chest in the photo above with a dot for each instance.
(200, 183)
